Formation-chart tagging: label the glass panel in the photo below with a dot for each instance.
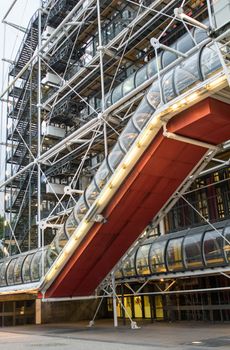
(128, 84)
(185, 43)
(167, 86)
(10, 272)
(60, 240)
(129, 267)
(151, 68)
(174, 254)
(142, 260)
(108, 100)
(26, 269)
(226, 244)
(141, 76)
(167, 57)
(209, 61)
(70, 225)
(51, 255)
(102, 175)
(3, 273)
(91, 193)
(200, 35)
(186, 74)
(213, 248)
(80, 209)
(192, 251)
(143, 113)
(36, 267)
(115, 156)
(153, 95)
(18, 269)
(128, 136)
(117, 93)
(157, 261)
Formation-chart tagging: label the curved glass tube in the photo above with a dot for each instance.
(193, 251)
(174, 258)
(185, 44)
(18, 269)
(142, 260)
(168, 57)
(115, 156)
(157, 254)
(3, 281)
(187, 74)
(128, 267)
(70, 225)
(141, 76)
(26, 271)
(103, 174)
(194, 68)
(213, 249)
(10, 272)
(180, 251)
(168, 86)
(128, 136)
(128, 85)
(210, 61)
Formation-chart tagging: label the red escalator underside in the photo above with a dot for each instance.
(157, 175)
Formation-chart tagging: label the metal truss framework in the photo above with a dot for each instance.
(95, 131)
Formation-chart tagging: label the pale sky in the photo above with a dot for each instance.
(10, 40)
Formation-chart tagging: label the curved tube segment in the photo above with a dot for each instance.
(26, 268)
(188, 250)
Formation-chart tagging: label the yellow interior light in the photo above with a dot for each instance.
(132, 155)
(217, 82)
(105, 195)
(192, 97)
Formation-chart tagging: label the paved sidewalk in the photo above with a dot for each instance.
(156, 336)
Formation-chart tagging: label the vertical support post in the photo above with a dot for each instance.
(101, 53)
(162, 227)
(115, 321)
(39, 129)
(38, 311)
(210, 17)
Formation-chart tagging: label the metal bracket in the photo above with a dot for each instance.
(173, 136)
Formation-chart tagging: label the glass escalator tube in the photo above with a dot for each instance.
(18, 269)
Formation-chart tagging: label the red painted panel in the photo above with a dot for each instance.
(159, 172)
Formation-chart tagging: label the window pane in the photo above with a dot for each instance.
(186, 74)
(3, 273)
(128, 85)
(141, 76)
(157, 260)
(10, 272)
(129, 267)
(167, 86)
(70, 225)
(117, 93)
(213, 248)
(153, 95)
(142, 263)
(36, 266)
(128, 136)
(174, 254)
(209, 61)
(192, 251)
(26, 269)
(115, 156)
(18, 270)
(143, 113)
(102, 175)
